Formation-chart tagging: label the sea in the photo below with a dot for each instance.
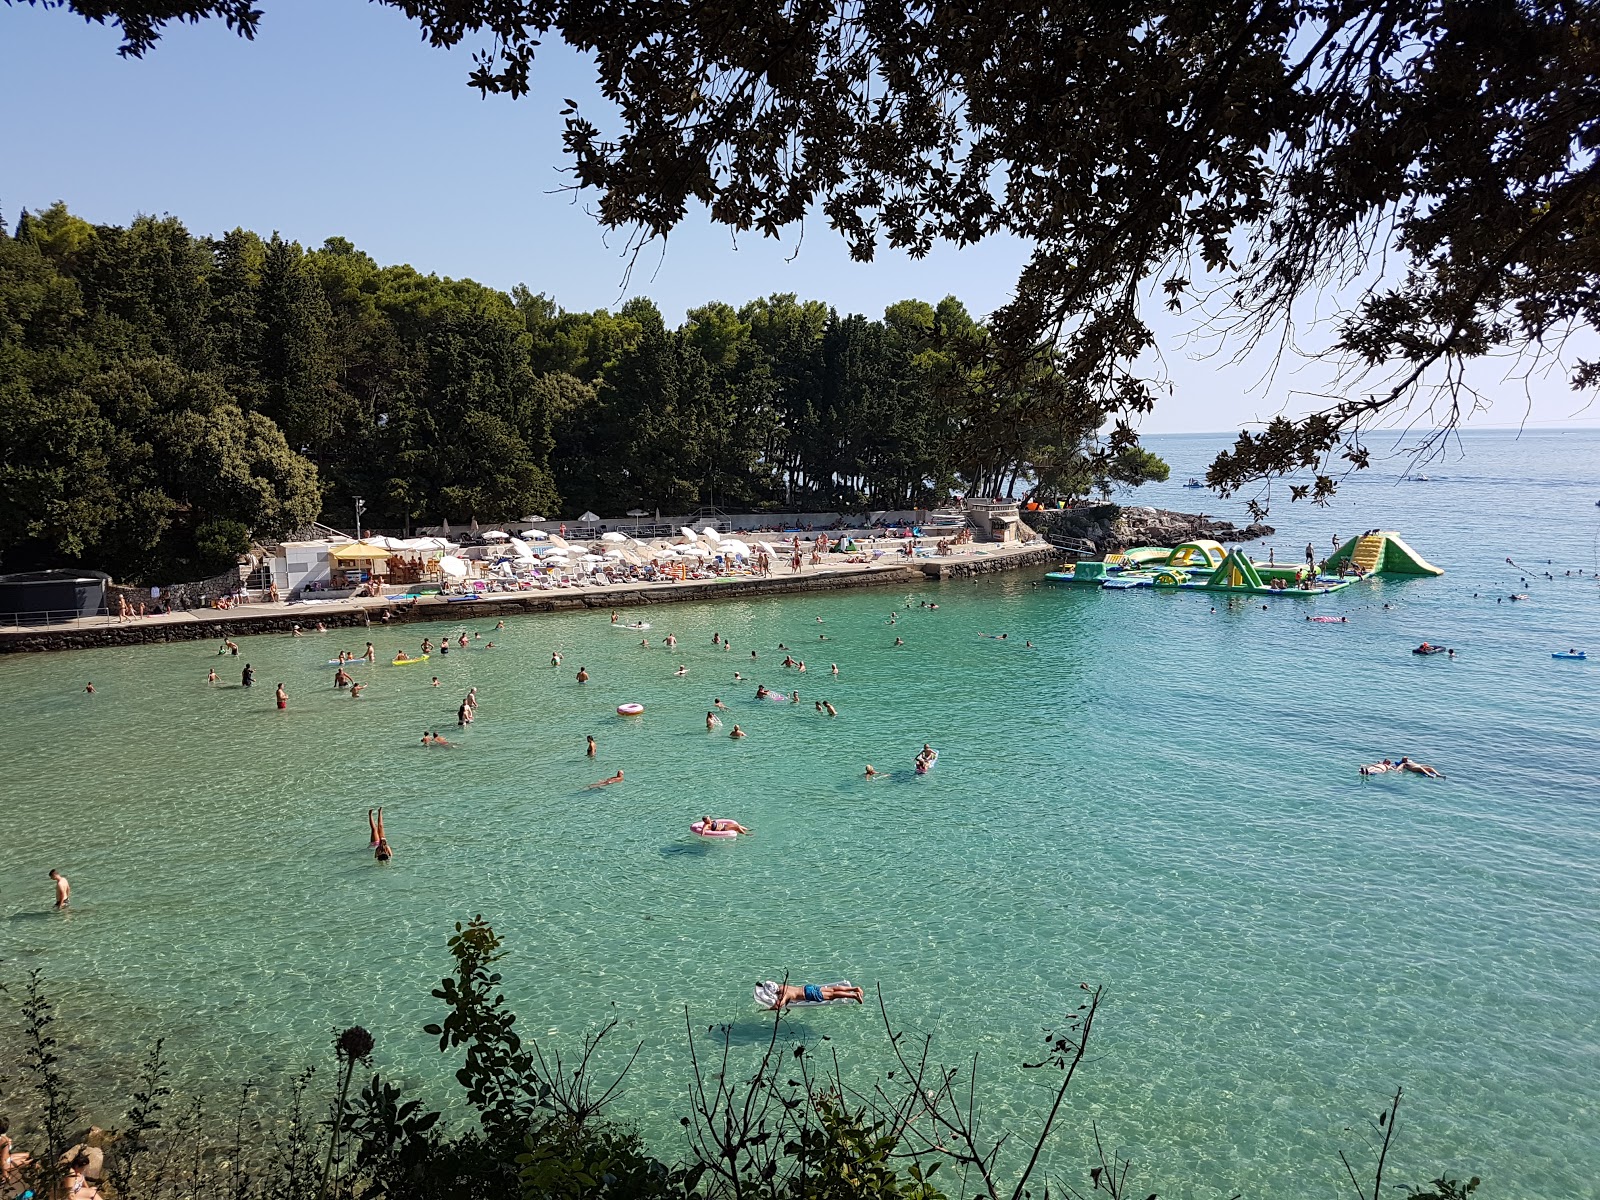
(1159, 798)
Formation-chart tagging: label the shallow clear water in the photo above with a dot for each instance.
(1157, 797)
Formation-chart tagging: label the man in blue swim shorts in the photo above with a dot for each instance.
(774, 995)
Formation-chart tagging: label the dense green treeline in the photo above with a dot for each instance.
(164, 398)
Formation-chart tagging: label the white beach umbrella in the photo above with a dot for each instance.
(613, 536)
(536, 535)
(735, 546)
(521, 548)
(557, 541)
(589, 518)
(453, 567)
(710, 533)
(767, 546)
(495, 535)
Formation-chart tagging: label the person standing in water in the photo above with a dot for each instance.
(583, 675)
(371, 655)
(248, 677)
(589, 750)
(282, 698)
(63, 888)
(211, 677)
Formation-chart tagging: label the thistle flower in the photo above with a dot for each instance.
(353, 1045)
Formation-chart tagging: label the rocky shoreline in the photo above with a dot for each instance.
(1109, 528)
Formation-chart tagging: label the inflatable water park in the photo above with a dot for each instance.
(1204, 565)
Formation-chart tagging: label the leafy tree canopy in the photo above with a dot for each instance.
(166, 398)
(1428, 165)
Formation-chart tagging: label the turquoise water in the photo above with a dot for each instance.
(1157, 797)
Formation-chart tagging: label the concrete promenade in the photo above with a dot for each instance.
(246, 619)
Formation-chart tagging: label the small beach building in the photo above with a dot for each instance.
(300, 565)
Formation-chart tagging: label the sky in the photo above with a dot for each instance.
(338, 120)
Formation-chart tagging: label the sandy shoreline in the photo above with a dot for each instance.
(246, 619)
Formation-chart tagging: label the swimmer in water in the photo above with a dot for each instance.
(435, 681)
(682, 670)
(211, 677)
(834, 668)
(717, 703)
(736, 732)
(899, 642)
(613, 616)
(721, 825)
(609, 780)
(371, 655)
(499, 624)
(341, 678)
(583, 675)
(88, 689)
(380, 844)
(737, 677)
(828, 704)
(1416, 768)
(589, 749)
(712, 721)
(555, 658)
(645, 642)
(761, 691)
(63, 888)
(281, 696)
(356, 689)
(871, 773)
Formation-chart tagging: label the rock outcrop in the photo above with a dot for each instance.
(1109, 527)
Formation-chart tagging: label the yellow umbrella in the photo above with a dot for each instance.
(356, 551)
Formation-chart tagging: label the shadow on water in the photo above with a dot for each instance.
(757, 1031)
(695, 849)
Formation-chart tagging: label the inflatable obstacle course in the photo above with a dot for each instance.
(1380, 553)
(1204, 565)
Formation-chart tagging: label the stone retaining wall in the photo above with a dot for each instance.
(1046, 556)
(214, 625)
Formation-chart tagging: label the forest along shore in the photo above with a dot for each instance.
(202, 624)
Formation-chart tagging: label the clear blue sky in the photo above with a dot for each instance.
(338, 120)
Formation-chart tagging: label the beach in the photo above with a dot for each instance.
(1155, 796)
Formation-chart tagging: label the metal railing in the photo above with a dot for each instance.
(51, 618)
